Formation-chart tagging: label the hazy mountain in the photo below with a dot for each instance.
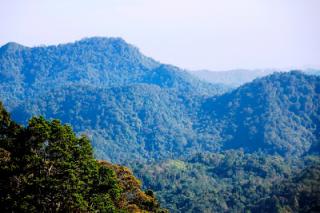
(235, 78)
(141, 109)
(102, 62)
(108, 89)
(278, 113)
(157, 118)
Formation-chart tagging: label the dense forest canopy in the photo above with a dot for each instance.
(117, 96)
(201, 147)
(235, 181)
(44, 167)
(107, 88)
(279, 113)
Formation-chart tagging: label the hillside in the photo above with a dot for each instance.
(235, 181)
(107, 89)
(279, 113)
(143, 110)
(141, 121)
(101, 62)
(201, 147)
(144, 121)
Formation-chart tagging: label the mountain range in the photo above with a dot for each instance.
(238, 77)
(157, 118)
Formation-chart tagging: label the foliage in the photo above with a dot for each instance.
(133, 198)
(108, 89)
(234, 181)
(156, 119)
(133, 107)
(299, 193)
(279, 114)
(44, 167)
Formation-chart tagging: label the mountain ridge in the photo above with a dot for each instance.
(106, 87)
(237, 77)
(290, 100)
(201, 147)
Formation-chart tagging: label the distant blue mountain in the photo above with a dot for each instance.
(134, 107)
(108, 89)
(238, 77)
(202, 147)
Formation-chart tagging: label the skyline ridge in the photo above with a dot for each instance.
(118, 38)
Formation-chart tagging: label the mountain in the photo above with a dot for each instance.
(106, 88)
(143, 110)
(236, 78)
(98, 62)
(102, 62)
(201, 147)
(134, 122)
(279, 113)
(232, 78)
(257, 132)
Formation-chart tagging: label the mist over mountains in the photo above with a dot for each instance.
(238, 77)
(137, 110)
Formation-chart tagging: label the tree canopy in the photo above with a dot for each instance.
(45, 167)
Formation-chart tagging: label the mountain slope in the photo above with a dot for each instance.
(235, 181)
(157, 118)
(279, 113)
(138, 121)
(102, 62)
(141, 109)
(108, 89)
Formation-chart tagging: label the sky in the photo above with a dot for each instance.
(191, 34)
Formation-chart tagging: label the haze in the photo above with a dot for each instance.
(198, 34)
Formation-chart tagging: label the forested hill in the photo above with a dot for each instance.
(279, 113)
(108, 89)
(276, 114)
(101, 62)
(133, 107)
(202, 147)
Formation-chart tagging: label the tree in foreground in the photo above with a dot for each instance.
(44, 167)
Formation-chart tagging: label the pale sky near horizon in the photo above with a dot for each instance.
(192, 34)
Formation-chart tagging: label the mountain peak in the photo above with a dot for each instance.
(116, 43)
(12, 46)
(100, 61)
(114, 48)
(102, 39)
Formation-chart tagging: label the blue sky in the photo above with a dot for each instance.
(192, 34)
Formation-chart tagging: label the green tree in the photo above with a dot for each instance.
(45, 167)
